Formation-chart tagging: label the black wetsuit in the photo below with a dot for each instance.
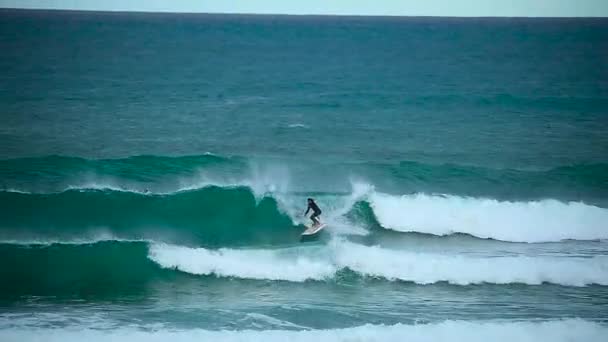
(315, 209)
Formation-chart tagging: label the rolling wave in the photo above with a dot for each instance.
(164, 174)
(122, 267)
(239, 215)
(300, 264)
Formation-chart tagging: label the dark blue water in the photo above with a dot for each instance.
(513, 92)
(154, 169)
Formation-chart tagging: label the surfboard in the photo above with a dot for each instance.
(313, 229)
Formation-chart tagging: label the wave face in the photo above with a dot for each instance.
(261, 209)
(210, 215)
(555, 331)
(107, 267)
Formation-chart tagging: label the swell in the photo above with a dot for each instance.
(143, 164)
(211, 215)
(163, 174)
(574, 182)
(137, 173)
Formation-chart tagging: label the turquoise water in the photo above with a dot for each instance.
(154, 169)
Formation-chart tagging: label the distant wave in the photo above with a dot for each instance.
(165, 174)
(470, 331)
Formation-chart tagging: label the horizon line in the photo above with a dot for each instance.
(292, 14)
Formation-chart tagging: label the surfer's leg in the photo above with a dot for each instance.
(314, 218)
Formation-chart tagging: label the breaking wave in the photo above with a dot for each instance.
(533, 221)
(300, 264)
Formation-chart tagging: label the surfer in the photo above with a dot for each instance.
(316, 212)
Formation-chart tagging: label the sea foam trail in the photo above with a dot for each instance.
(554, 331)
(300, 264)
(536, 221)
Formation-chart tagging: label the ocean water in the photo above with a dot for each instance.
(154, 169)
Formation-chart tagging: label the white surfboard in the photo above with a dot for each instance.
(313, 229)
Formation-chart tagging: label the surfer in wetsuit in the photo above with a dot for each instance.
(315, 212)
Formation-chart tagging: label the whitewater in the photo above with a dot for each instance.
(566, 330)
(322, 263)
(534, 221)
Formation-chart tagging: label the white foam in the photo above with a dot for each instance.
(310, 263)
(336, 210)
(183, 186)
(536, 221)
(298, 125)
(553, 331)
(282, 264)
(104, 187)
(262, 179)
(17, 191)
(68, 241)
(260, 320)
(428, 268)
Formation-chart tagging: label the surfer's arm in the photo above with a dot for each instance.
(307, 210)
